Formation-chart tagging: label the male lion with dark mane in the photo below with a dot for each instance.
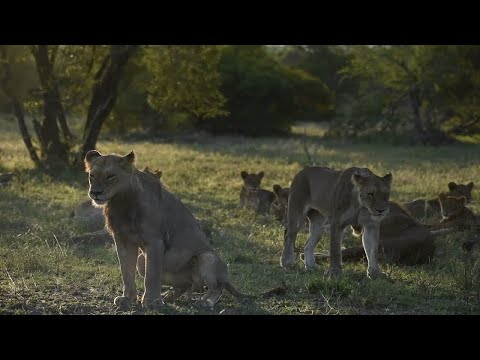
(141, 213)
(355, 196)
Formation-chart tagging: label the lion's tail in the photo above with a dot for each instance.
(442, 231)
(277, 291)
(235, 292)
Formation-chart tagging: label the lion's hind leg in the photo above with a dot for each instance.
(317, 222)
(212, 273)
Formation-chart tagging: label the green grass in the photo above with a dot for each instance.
(41, 273)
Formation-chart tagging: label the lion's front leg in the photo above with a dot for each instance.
(152, 298)
(127, 256)
(336, 237)
(370, 240)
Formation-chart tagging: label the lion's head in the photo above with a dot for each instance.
(108, 174)
(461, 190)
(157, 173)
(451, 206)
(252, 181)
(281, 195)
(373, 192)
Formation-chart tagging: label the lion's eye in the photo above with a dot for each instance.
(110, 177)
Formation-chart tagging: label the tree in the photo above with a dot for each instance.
(412, 81)
(85, 81)
(264, 97)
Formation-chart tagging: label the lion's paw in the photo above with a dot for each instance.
(376, 274)
(152, 304)
(123, 302)
(287, 260)
(207, 303)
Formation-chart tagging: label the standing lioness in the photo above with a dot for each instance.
(140, 213)
(354, 196)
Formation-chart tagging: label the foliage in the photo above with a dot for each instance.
(263, 96)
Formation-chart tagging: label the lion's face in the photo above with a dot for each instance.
(373, 193)
(461, 190)
(281, 195)
(252, 181)
(451, 206)
(107, 175)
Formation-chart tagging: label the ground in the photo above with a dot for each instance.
(42, 273)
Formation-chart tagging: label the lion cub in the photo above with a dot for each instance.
(430, 209)
(455, 214)
(141, 213)
(279, 205)
(251, 196)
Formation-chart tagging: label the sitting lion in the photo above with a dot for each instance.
(430, 209)
(91, 217)
(251, 196)
(402, 239)
(279, 205)
(141, 213)
(354, 196)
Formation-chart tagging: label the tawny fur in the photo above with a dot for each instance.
(141, 214)
(252, 196)
(429, 210)
(354, 196)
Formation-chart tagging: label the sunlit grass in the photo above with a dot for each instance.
(41, 273)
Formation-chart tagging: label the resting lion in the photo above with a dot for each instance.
(402, 239)
(430, 209)
(279, 205)
(353, 196)
(141, 213)
(457, 216)
(252, 196)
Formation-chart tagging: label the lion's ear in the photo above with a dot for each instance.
(388, 179)
(357, 179)
(89, 156)
(130, 158)
(244, 175)
(146, 169)
(276, 189)
(452, 186)
(261, 174)
(470, 184)
(158, 173)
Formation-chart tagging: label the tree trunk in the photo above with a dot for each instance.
(17, 108)
(105, 94)
(52, 108)
(417, 117)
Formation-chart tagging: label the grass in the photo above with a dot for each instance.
(42, 273)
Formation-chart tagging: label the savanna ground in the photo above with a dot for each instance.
(41, 272)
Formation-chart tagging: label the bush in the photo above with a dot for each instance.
(263, 96)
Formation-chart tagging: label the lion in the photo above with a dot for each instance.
(278, 208)
(353, 196)
(402, 239)
(142, 214)
(252, 196)
(91, 217)
(457, 216)
(430, 209)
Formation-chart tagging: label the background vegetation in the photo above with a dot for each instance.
(204, 113)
